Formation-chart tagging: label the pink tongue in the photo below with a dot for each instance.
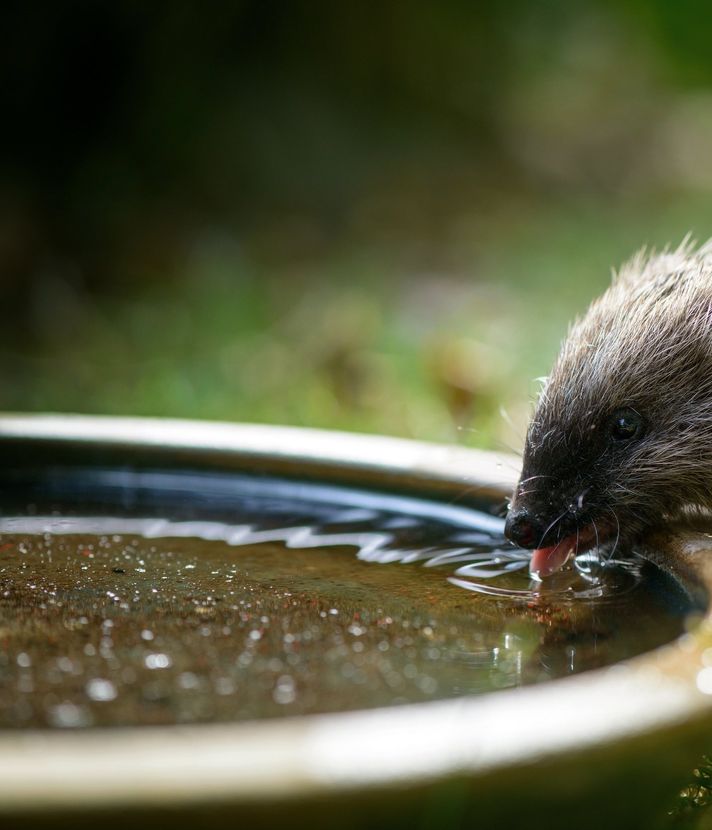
(546, 561)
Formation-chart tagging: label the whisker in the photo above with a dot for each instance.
(618, 534)
(553, 524)
(577, 536)
(531, 478)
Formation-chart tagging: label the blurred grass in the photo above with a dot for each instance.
(372, 337)
(378, 218)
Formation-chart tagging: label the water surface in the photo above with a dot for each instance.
(160, 598)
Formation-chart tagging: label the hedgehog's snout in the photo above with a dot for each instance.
(536, 519)
(524, 527)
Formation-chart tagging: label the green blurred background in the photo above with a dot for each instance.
(376, 216)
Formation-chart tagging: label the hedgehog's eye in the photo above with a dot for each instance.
(626, 425)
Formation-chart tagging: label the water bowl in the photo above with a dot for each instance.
(209, 623)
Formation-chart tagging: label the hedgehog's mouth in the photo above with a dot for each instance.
(546, 561)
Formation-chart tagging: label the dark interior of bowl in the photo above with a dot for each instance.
(157, 596)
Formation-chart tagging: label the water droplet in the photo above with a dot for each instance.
(101, 690)
(157, 661)
(284, 691)
(68, 716)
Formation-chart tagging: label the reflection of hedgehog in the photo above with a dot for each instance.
(622, 433)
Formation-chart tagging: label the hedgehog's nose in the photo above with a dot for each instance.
(523, 528)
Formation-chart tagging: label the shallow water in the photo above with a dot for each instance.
(161, 598)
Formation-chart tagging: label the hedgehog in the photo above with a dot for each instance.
(621, 437)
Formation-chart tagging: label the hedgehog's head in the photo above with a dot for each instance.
(622, 433)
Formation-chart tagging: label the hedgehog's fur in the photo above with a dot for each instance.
(645, 344)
